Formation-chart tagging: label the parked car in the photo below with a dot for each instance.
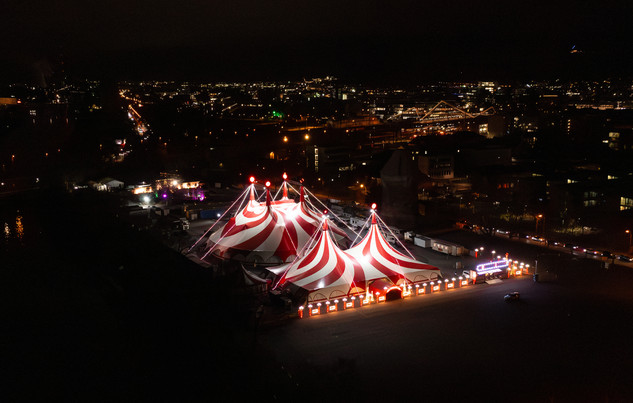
(625, 258)
(513, 296)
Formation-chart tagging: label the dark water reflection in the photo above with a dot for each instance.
(18, 225)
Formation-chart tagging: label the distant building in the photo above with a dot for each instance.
(400, 177)
(108, 184)
(439, 166)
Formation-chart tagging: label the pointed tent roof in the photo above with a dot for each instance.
(325, 269)
(284, 202)
(270, 232)
(375, 253)
(258, 229)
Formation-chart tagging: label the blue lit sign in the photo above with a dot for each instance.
(492, 267)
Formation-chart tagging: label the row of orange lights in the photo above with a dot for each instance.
(349, 303)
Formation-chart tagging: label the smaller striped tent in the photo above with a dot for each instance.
(327, 272)
(378, 256)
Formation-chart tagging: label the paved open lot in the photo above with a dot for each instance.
(563, 341)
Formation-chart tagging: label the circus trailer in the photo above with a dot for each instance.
(448, 248)
(422, 241)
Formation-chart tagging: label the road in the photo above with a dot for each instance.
(522, 249)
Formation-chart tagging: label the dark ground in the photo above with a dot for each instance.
(78, 327)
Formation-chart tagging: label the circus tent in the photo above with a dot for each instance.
(267, 233)
(327, 272)
(376, 253)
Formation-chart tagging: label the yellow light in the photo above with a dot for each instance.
(307, 137)
(285, 139)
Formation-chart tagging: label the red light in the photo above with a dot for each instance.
(285, 176)
(373, 206)
(252, 179)
(324, 211)
(267, 183)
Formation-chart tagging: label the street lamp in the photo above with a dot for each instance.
(628, 232)
(538, 218)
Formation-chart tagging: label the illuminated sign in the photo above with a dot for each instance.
(314, 311)
(382, 298)
(451, 285)
(421, 290)
(436, 288)
(332, 308)
(464, 282)
(349, 305)
(492, 267)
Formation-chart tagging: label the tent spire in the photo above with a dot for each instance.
(373, 213)
(325, 226)
(268, 194)
(285, 187)
(252, 180)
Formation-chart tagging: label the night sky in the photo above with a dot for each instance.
(388, 41)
